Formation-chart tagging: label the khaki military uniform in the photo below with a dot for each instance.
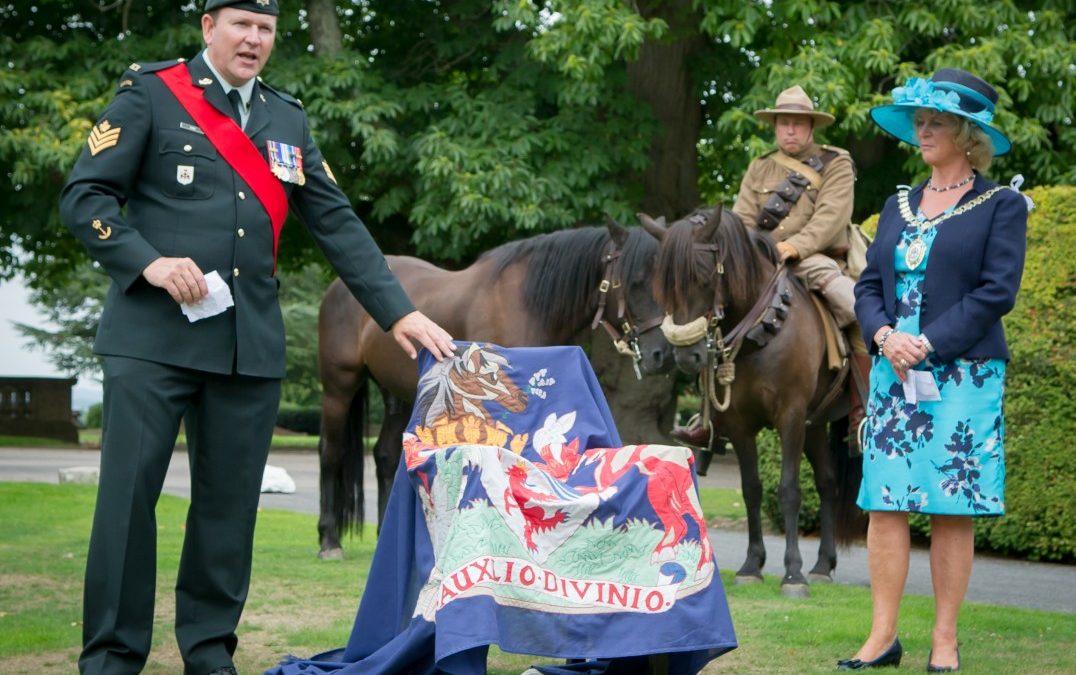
(816, 225)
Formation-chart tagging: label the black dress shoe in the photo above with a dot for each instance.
(891, 657)
(931, 668)
(226, 670)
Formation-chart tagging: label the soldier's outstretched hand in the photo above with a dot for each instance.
(179, 276)
(417, 326)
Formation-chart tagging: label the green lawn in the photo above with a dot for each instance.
(91, 438)
(32, 442)
(301, 605)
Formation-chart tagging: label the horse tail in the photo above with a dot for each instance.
(851, 525)
(349, 507)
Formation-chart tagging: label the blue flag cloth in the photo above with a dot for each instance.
(518, 519)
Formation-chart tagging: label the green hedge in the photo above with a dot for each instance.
(302, 419)
(1040, 520)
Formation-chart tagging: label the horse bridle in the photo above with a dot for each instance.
(626, 336)
(721, 348)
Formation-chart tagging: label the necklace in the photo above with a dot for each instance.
(917, 248)
(930, 185)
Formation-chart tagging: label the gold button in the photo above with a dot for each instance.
(242, 195)
(235, 272)
(187, 148)
(242, 233)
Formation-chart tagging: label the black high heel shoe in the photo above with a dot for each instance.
(891, 657)
(931, 668)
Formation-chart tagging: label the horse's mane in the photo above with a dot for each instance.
(681, 267)
(564, 269)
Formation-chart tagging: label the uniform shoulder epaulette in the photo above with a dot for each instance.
(136, 69)
(281, 95)
(767, 154)
(834, 148)
(143, 68)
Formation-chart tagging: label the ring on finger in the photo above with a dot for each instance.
(904, 364)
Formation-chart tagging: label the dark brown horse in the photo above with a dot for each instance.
(711, 266)
(533, 292)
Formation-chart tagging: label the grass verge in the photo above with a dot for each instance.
(299, 604)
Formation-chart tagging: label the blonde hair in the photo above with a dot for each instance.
(967, 136)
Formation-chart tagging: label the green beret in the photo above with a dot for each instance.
(259, 6)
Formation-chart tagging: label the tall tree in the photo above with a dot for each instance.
(455, 126)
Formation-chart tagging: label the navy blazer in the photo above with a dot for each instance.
(972, 276)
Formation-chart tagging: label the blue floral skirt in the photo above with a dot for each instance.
(940, 457)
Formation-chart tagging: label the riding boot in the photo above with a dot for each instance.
(694, 434)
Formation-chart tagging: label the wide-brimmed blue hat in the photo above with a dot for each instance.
(949, 90)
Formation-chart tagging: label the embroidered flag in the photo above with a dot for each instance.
(517, 519)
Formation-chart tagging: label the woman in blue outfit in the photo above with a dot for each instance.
(944, 268)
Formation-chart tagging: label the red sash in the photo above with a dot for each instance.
(234, 146)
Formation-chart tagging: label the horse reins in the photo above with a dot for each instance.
(626, 336)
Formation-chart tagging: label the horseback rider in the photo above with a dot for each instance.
(801, 195)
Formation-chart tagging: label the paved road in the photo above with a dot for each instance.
(994, 580)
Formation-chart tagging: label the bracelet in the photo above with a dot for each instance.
(881, 340)
(925, 342)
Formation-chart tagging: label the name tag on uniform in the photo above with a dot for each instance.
(286, 162)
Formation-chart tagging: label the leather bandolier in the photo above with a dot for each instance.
(785, 195)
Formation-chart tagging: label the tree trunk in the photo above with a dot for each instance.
(324, 27)
(661, 79)
(645, 409)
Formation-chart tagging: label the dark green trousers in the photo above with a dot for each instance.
(230, 422)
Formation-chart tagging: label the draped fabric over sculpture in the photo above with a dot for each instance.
(517, 519)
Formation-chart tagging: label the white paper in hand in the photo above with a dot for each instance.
(921, 386)
(218, 300)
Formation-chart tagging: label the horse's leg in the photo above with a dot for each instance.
(825, 481)
(339, 397)
(388, 449)
(792, 428)
(747, 457)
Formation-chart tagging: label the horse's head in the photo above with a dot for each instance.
(630, 307)
(708, 266)
(479, 375)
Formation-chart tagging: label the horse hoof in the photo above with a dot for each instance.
(796, 590)
(332, 554)
(819, 578)
(747, 579)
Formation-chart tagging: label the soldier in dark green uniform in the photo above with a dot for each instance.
(181, 189)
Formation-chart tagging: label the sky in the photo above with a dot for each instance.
(16, 357)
